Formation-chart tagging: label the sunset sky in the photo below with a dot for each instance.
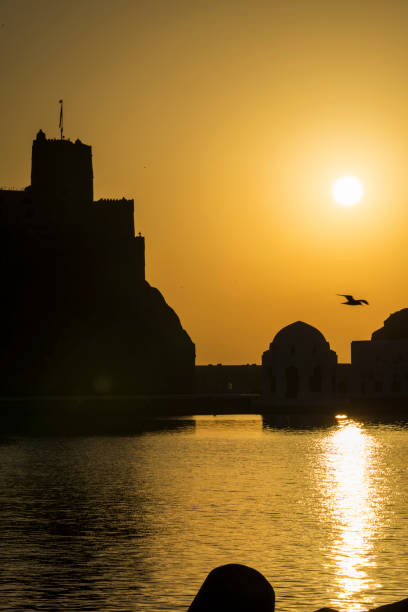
(227, 122)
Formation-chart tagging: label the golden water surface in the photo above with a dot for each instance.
(136, 523)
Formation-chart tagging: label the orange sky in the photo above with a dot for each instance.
(227, 122)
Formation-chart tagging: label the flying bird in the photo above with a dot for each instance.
(351, 301)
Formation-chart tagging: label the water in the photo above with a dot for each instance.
(132, 524)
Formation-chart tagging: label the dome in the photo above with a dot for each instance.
(395, 327)
(299, 333)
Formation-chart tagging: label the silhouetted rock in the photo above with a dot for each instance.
(234, 588)
(398, 606)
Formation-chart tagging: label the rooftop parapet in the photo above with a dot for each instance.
(114, 201)
(42, 138)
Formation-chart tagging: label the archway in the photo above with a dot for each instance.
(316, 380)
(292, 382)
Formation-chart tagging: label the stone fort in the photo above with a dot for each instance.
(77, 313)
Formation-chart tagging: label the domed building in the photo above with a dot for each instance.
(380, 365)
(299, 367)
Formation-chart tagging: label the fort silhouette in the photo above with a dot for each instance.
(80, 319)
(78, 316)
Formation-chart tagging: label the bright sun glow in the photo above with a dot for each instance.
(347, 190)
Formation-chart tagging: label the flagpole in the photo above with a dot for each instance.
(61, 120)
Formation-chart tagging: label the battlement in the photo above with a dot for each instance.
(61, 140)
(113, 217)
(41, 139)
(113, 201)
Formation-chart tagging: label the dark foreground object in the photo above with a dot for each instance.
(239, 588)
(398, 606)
(234, 588)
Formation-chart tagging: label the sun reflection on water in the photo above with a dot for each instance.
(351, 504)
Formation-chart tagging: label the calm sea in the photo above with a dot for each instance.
(136, 523)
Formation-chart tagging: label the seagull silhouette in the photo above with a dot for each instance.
(351, 301)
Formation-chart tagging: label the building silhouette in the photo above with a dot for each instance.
(78, 316)
(299, 367)
(380, 365)
(300, 371)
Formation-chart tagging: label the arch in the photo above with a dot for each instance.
(316, 380)
(292, 382)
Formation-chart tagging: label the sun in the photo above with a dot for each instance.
(347, 190)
